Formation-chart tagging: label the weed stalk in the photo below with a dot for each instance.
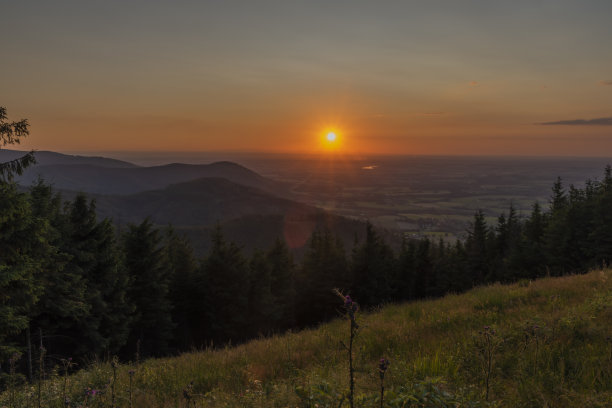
(350, 310)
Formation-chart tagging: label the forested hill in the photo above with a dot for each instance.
(250, 217)
(200, 202)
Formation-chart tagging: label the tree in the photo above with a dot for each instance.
(282, 286)
(261, 301)
(63, 301)
(149, 275)
(373, 270)
(187, 291)
(20, 239)
(324, 268)
(228, 289)
(476, 249)
(11, 133)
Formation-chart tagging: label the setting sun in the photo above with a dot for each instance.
(330, 139)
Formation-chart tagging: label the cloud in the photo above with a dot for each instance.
(474, 83)
(609, 82)
(432, 113)
(582, 122)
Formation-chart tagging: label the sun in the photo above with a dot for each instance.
(331, 140)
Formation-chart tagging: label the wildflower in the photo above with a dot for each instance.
(348, 301)
(383, 365)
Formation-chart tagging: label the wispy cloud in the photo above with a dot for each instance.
(474, 83)
(609, 82)
(432, 113)
(582, 122)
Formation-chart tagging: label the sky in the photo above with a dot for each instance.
(390, 77)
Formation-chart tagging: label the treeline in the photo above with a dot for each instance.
(73, 286)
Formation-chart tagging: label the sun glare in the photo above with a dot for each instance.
(331, 137)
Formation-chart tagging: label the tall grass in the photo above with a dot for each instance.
(553, 348)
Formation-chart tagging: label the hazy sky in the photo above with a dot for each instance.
(414, 77)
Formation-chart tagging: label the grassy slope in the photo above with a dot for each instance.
(566, 361)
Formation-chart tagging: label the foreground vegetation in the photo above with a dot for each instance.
(548, 341)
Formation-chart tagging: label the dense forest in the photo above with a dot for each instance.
(72, 286)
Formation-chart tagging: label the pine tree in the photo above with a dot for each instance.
(149, 274)
(186, 292)
(556, 235)
(373, 270)
(600, 237)
(406, 280)
(84, 312)
(20, 241)
(227, 290)
(477, 250)
(63, 303)
(11, 133)
(324, 268)
(261, 301)
(282, 285)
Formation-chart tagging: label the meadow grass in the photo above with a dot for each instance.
(552, 348)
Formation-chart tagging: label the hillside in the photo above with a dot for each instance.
(199, 202)
(549, 342)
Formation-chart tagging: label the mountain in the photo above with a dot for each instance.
(47, 158)
(109, 176)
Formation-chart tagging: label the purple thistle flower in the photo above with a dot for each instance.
(383, 365)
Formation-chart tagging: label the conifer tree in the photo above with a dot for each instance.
(186, 292)
(282, 284)
(600, 236)
(425, 278)
(91, 319)
(324, 268)
(373, 270)
(20, 239)
(556, 234)
(261, 301)
(406, 270)
(11, 133)
(476, 249)
(227, 289)
(63, 302)
(149, 274)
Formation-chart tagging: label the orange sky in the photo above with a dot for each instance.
(391, 77)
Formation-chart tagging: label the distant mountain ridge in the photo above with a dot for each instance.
(48, 158)
(101, 175)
